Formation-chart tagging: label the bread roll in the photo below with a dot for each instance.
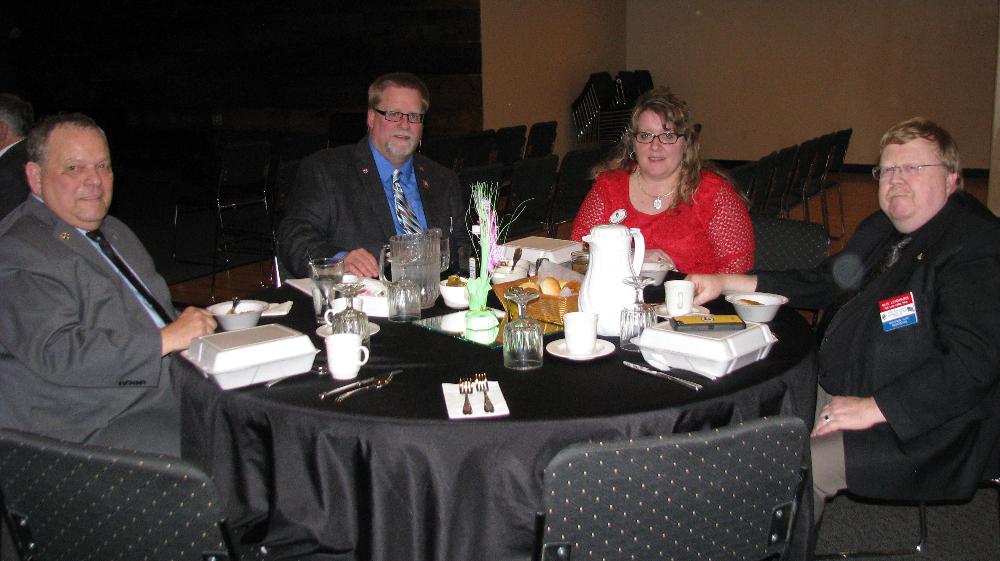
(549, 286)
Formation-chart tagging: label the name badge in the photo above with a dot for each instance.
(898, 311)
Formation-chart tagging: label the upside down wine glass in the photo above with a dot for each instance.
(351, 320)
(522, 337)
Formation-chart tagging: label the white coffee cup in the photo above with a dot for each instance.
(580, 330)
(679, 297)
(345, 355)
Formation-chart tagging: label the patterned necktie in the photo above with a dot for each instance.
(404, 213)
(124, 269)
(892, 256)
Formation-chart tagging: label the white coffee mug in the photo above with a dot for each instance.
(679, 297)
(580, 329)
(345, 355)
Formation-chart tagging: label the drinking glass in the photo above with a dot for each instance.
(634, 319)
(638, 282)
(325, 272)
(403, 297)
(351, 320)
(522, 337)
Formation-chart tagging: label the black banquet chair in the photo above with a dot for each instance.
(575, 180)
(531, 187)
(541, 138)
(729, 493)
(781, 244)
(64, 501)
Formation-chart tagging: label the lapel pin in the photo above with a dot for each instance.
(920, 256)
(64, 236)
(425, 184)
(364, 171)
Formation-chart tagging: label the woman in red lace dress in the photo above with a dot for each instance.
(655, 182)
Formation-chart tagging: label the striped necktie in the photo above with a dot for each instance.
(404, 213)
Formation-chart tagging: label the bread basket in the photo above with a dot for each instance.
(545, 308)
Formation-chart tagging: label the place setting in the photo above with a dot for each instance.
(580, 342)
(475, 397)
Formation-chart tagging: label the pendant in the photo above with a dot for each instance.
(657, 203)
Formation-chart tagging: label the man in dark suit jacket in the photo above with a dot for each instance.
(342, 203)
(908, 396)
(16, 117)
(84, 355)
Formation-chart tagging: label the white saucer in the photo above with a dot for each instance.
(558, 348)
(661, 310)
(324, 331)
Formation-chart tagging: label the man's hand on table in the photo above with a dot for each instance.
(193, 322)
(848, 413)
(361, 263)
(709, 287)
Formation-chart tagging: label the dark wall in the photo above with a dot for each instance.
(248, 66)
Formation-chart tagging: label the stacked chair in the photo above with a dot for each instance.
(792, 176)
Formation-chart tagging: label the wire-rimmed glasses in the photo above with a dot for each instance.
(887, 172)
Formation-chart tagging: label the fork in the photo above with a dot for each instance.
(465, 388)
(483, 385)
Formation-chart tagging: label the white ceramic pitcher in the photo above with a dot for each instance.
(603, 291)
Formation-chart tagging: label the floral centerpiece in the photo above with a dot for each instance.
(484, 223)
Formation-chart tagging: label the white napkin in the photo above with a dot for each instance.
(277, 309)
(454, 401)
(373, 301)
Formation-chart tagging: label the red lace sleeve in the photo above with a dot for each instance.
(731, 232)
(591, 213)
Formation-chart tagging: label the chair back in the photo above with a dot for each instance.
(531, 186)
(491, 174)
(842, 140)
(782, 244)
(782, 182)
(575, 179)
(541, 138)
(728, 493)
(477, 148)
(65, 501)
(510, 144)
(445, 150)
(244, 163)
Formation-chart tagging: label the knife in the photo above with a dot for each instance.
(664, 375)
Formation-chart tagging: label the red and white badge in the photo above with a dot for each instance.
(898, 311)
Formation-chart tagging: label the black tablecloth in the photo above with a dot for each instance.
(385, 475)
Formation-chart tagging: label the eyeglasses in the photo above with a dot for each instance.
(397, 116)
(669, 137)
(886, 172)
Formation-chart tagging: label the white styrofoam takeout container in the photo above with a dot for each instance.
(250, 356)
(536, 247)
(709, 353)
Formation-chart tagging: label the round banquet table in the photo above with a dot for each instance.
(386, 475)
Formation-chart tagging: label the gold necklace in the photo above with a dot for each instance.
(657, 199)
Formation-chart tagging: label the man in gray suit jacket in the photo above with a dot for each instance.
(344, 202)
(16, 117)
(84, 350)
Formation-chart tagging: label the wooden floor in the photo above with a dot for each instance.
(860, 198)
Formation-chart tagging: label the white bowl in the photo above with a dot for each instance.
(506, 274)
(764, 311)
(247, 314)
(655, 271)
(456, 297)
